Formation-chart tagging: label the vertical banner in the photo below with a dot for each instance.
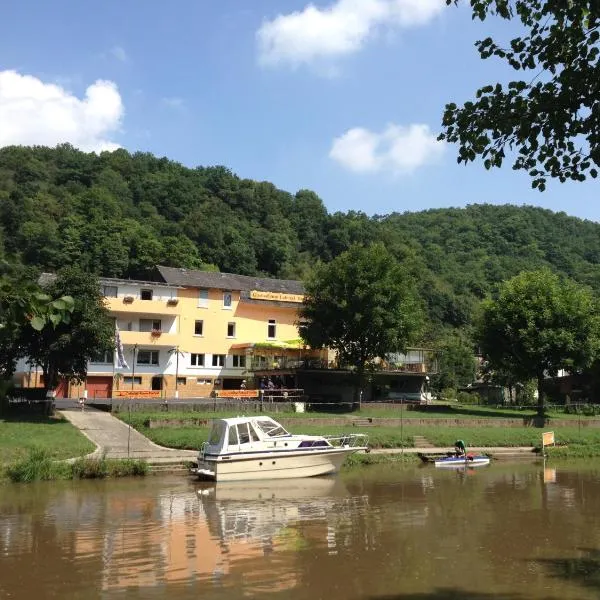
(121, 362)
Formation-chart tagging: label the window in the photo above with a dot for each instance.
(203, 381)
(230, 330)
(226, 299)
(147, 357)
(270, 428)
(199, 328)
(197, 360)
(146, 294)
(202, 298)
(233, 439)
(239, 360)
(150, 325)
(218, 360)
(217, 432)
(103, 358)
(181, 380)
(243, 433)
(109, 291)
(130, 380)
(272, 329)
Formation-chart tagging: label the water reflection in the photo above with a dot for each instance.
(508, 532)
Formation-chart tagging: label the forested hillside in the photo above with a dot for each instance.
(119, 214)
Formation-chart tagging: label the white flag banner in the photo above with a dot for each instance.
(121, 362)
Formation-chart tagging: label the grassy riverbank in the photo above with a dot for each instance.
(574, 440)
(20, 433)
(39, 466)
(35, 448)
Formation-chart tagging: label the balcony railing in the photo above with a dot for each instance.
(282, 364)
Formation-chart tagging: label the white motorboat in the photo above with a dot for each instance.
(250, 448)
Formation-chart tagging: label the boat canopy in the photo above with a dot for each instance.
(243, 430)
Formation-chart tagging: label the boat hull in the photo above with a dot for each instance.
(459, 462)
(273, 465)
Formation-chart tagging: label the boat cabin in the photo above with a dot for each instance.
(242, 433)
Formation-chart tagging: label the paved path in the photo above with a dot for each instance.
(116, 439)
(496, 452)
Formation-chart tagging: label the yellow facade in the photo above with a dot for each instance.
(185, 339)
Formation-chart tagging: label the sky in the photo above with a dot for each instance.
(343, 97)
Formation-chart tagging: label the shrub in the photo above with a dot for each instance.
(467, 398)
(89, 468)
(449, 394)
(38, 466)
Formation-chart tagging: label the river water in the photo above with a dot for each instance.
(511, 531)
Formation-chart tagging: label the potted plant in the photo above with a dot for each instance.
(128, 299)
(156, 333)
(172, 301)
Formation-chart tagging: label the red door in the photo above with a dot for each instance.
(62, 389)
(99, 387)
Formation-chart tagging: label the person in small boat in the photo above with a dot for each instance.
(460, 448)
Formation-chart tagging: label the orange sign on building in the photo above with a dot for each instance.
(237, 393)
(278, 296)
(137, 393)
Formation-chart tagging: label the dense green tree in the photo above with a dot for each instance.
(118, 214)
(550, 115)
(457, 363)
(63, 348)
(25, 309)
(362, 305)
(538, 324)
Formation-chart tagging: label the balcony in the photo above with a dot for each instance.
(148, 338)
(130, 305)
(417, 361)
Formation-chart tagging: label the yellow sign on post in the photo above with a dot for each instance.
(548, 438)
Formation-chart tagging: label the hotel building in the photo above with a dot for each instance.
(188, 333)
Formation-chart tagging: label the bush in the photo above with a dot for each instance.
(467, 398)
(448, 394)
(588, 410)
(39, 466)
(89, 468)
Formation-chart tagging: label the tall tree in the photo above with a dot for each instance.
(63, 349)
(362, 305)
(539, 323)
(550, 115)
(24, 307)
(457, 363)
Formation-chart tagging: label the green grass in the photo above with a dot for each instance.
(56, 436)
(39, 466)
(453, 411)
(192, 437)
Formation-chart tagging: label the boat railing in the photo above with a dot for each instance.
(349, 440)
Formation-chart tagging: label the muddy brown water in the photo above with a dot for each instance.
(511, 531)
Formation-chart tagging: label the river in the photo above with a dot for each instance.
(506, 531)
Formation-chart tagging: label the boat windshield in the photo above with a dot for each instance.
(270, 428)
(216, 433)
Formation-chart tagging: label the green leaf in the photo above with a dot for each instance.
(37, 322)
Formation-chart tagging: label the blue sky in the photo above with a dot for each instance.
(343, 97)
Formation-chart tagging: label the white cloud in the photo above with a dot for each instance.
(36, 113)
(119, 53)
(397, 149)
(303, 37)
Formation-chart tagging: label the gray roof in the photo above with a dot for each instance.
(228, 281)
